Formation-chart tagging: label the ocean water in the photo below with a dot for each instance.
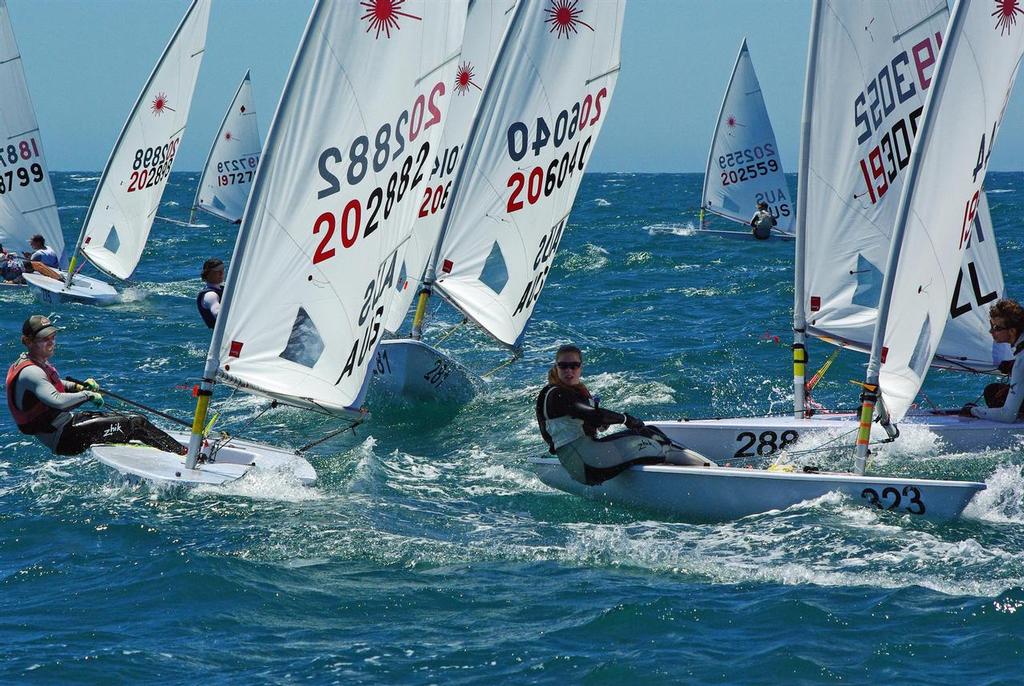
(429, 553)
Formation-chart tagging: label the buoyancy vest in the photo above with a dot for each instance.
(204, 312)
(558, 431)
(36, 417)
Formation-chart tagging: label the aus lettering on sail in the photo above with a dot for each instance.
(344, 167)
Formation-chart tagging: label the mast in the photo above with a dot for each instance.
(802, 182)
(237, 255)
(430, 274)
(869, 395)
(117, 145)
(718, 125)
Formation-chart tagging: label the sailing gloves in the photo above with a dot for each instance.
(95, 398)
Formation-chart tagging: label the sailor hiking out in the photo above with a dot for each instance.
(41, 403)
(570, 417)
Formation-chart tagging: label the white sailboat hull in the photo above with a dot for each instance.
(413, 370)
(83, 289)
(752, 439)
(714, 494)
(138, 462)
(744, 235)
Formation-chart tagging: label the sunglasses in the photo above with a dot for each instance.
(996, 329)
(569, 365)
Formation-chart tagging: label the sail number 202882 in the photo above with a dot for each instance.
(388, 145)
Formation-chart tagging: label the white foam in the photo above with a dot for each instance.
(687, 229)
(601, 202)
(1003, 499)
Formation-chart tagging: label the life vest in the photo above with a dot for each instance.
(36, 418)
(204, 312)
(558, 431)
(763, 223)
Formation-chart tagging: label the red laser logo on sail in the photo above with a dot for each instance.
(464, 79)
(564, 16)
(731, 122)
(160, 104)
(228, 136)
(1006, 15)
(382, 15)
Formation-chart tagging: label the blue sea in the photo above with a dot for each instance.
(429, 553)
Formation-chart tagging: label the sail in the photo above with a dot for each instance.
(485, 26)
(231, 165)
(943, 191)
(27, 206)
(744, 167)
(532, 140)
(349, 151)
(874, 67)
(121, 214)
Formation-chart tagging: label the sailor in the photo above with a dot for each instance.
(10, 268)
(41, 253)
(208, 299)
(762, 223)
(569, 417)
(41, 403)
(1006, 324)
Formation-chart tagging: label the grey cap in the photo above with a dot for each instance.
(38, 326)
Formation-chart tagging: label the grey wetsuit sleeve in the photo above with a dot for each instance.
(33, 380)
(1008, 412)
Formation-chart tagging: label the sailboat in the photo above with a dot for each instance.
(118, 221)
(231, 165)
(408, 367)
(316, 258)
(744, 166)
(27, 206)
(852, 170)
(531, 138)
(970, 87)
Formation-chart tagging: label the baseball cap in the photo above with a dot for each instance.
(38, 326)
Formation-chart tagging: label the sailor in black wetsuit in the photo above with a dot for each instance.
(208, 299)
(569, 420)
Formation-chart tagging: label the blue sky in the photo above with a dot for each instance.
(87, 60)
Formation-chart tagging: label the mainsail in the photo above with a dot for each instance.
(744, 167)
(942, 194)
(335, 198)
(530, 143)
(873, 68)
(121, 214)
(27, 206)
(231, 164)
(485, 26)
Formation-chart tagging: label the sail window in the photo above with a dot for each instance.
(305, 345)
(217, 203)
(869, 283)
(922, 351)
(113, 242)
(495, 271)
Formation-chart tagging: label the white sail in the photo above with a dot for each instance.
(935, 222)
(121, 214)
(335, 197)
(485, 26)
(231, 164)
(744, 167)
(531, 142)
(874, 66)
(27, 206)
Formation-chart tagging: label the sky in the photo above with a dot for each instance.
(87, 60)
